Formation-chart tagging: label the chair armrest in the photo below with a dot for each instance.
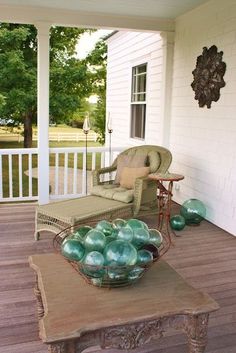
(97, 173)
(141, 184)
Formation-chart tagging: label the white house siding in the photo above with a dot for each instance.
(203, 141)
(125, 50)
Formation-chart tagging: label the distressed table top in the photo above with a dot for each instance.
(72, 307)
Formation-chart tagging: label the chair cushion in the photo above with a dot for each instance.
(133, 161)
(129, 175)
(113, 192)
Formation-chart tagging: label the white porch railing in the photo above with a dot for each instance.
(19, 171)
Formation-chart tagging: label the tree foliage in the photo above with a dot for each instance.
(70, 80)
(97, 61)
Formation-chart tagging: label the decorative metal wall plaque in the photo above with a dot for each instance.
(208, 76)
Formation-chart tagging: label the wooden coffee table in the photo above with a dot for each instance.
(74, 315)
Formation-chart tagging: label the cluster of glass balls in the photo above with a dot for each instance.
(192, 212)
(116, 251)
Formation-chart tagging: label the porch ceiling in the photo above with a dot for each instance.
(127, 14)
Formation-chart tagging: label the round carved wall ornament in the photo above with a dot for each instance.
(208, 76)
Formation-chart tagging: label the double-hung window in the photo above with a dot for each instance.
(138, 101)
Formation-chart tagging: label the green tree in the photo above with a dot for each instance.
(97, 62)
(69, 78)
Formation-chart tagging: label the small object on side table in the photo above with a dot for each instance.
(164, 198)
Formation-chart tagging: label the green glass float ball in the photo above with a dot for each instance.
(73, 250)
(136, 224)
(120, 252)
(81, 232)
(135, 273)
(96, 281)
(94, 261)
(145, 226)
(155, 237)
(115, 232)
(125, 234)
(105, 227)
(95, 240)
(177, 222)
(144, 257)
(141, 237)
(153, 249)
(116, 273)
(193, 211)
(94, 258)
(119, 223)
(109, 239)
(64, 240)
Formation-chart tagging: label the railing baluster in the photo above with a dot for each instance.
(102, 159)
(93, 160)
(65, 173)
(10, 175)
(56, 172)
(20, 174)
(75, 181)
(30, 173)
(1, 190)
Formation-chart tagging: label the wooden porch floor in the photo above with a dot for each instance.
(205, 256)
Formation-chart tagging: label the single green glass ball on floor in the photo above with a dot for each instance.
(72, 249)
(95, 240)
(193, 211)
(177, 222)
(120, 252)
(155, 237)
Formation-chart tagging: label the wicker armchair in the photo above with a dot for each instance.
(145, 190)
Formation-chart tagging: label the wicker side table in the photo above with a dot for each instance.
(165, 196)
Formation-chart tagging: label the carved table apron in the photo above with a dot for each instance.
(74, 315)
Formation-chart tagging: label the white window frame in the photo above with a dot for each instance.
(143, 103)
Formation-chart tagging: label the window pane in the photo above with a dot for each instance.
(138, 113)
(142, 68)
(141, 84)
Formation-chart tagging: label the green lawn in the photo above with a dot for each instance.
(56, 129)
(25, 181)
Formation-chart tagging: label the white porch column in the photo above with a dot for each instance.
(43, 111)
(166, 90)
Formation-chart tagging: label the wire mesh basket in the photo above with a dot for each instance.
(111, 275)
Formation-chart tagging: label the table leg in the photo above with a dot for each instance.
(62, 347)
(196, 329)
(37, 293)
(59, 347)
(164, 211)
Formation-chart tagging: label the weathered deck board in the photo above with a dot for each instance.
(205, 256)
